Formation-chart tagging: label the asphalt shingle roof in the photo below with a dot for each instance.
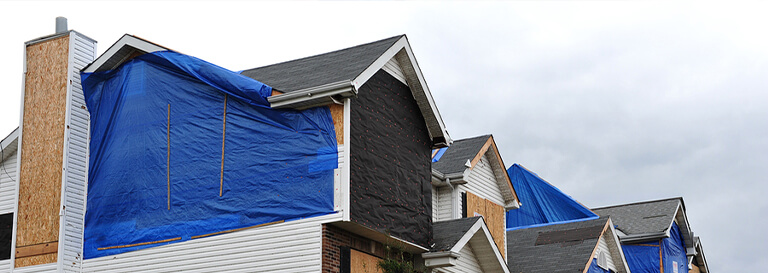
(643, 217)
(458, 153)
(448, 233)
(340, 65)
(554, 248)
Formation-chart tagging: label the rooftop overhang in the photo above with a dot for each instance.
(125, 49)
(333, 93)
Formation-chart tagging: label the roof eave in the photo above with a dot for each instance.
(115, 55)
(638, 238)
(332, 93)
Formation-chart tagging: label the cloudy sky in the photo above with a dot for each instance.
(613, 102)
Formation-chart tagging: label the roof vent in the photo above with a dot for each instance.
(61, 24)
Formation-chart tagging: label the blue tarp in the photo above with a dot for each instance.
(542, 203)
(277, 164)
(644, 257)
(594, 268)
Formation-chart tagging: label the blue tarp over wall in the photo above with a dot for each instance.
(542, 203)
(644, 257)
(594, 268)
(277, 164)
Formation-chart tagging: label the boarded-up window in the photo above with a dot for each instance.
(6, 231)
(360, 262)
(493, 215)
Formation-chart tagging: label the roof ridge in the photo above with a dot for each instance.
(680, 198)
(324, 53)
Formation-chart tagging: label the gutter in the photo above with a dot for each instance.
(314, 96)
(440, 259)
(638, 238)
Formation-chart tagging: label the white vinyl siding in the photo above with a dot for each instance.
(43, 268)
(444, 203)
(290, 247)
(482, 182)
(467, 263)
(8, 180)
(435, 204)
(8, 184)
(602, 246)
(393, 68)
(82, 51)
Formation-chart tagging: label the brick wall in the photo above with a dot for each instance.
(334, 239)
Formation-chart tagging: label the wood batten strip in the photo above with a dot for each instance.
(168, 158)
(234, 230)
(37, 249)
(141, 244)
(223, 141)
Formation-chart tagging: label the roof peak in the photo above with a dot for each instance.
(641, 203)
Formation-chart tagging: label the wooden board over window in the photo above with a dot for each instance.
(493, 215)
(360, 262)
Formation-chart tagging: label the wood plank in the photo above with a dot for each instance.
(360, 262)
(38, 249)
(42, 147)
(337, 113)
(480, 154)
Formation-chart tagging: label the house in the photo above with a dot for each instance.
(656, 236)
(468, 181)
(110, 205)
(584, 246)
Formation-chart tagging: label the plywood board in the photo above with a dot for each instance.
(36, 260)
(42, 146)
(360, 262)
(337, 113)
(496, 224)
(475, 205)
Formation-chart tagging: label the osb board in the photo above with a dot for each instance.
(493, 215)
(36, 260)
(360, 262)
(496, 225)
(475, 205)
(42, 146)
(337, 113)
(694, 269)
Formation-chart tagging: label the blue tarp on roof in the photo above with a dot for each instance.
(542, 203)
(159, 149)
(644, 257)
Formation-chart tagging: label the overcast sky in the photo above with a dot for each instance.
(613, 102)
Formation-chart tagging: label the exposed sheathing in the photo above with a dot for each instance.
(360, 262)
(36, 260)
(337, 113)
(493, 215)
(390, 167)
(42, 147)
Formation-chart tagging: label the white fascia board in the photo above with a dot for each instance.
(126, 40)
(345, 89)
(480, 226)
(615, 236)
(402, 44)
(687, 236)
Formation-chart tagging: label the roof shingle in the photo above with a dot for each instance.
(458, 153)
(643, 217)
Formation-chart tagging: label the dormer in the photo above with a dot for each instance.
(469, 179)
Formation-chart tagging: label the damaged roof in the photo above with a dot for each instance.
(554, 248)
(341, 65)
(643, 217)
(454, 158)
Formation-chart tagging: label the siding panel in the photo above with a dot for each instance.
(294, 246)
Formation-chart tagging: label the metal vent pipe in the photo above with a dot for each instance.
(61, 24)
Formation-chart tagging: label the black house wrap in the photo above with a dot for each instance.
(390, 161)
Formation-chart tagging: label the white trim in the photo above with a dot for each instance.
(480, 225)
(616, 240)
(65, 153)
(126, 40)
(345, 192)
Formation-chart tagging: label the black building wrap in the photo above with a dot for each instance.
(390, 161)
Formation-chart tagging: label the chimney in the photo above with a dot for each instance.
(53, 151)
